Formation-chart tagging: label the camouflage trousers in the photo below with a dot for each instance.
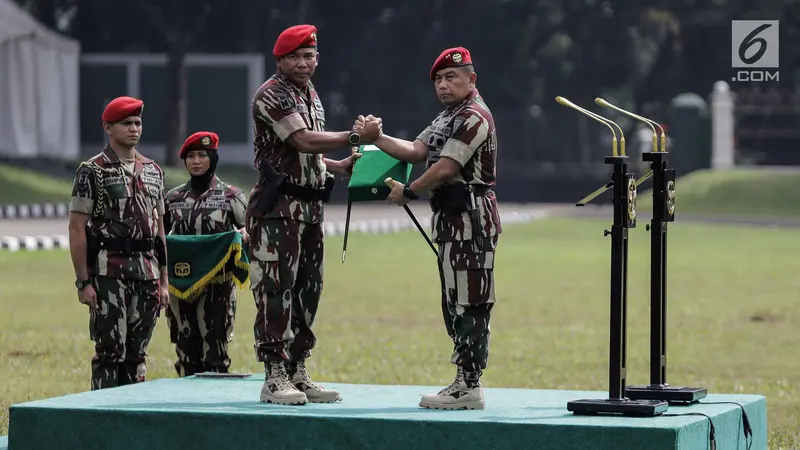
(121, 330)
(286, 270)
(466, 273)
(201, 329)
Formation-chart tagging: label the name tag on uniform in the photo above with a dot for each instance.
(182, 205)
(149, 170)
(222, 206)
(151, 180)
(108, 181)
(439, 128)
(302, 108)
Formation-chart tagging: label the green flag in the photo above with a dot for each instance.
(369, 172)
(194, 261)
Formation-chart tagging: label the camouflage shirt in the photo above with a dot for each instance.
(219, 209)
(123, 205)
(465, 133)
(279, 109)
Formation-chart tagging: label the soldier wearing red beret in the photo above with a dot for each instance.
(460, 148)
(285, 215)
(201, 327)
(116, 234)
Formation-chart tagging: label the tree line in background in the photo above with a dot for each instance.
(375, 55)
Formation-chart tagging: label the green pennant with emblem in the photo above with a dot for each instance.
(195, 261)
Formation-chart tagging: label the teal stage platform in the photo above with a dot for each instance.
(196, 414)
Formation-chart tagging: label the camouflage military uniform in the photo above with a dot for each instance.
(286, 251)
(202, 326)
(121, 203)
(466, 133)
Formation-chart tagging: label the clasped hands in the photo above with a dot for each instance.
(368, 131)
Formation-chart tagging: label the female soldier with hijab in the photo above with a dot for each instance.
(202, 326)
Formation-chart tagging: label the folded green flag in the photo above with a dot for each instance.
(194, 261)
(371, 170)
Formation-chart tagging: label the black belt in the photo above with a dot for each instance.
(480, 189)
(126, 245)
(302, 192)
(439, 199)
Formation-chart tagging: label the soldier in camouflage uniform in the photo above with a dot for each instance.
(202, 327)
(460, 147)
(116, 243)
(285, 215)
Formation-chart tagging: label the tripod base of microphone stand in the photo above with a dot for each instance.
(667, 393)
(620, 406)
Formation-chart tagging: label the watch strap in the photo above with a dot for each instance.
(408, 193)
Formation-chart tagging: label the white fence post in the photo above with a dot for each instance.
(722, 124)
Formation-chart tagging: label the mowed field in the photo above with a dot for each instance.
(733, 320)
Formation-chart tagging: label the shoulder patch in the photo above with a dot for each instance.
(283, 98)
(458, 121)
(83, 179)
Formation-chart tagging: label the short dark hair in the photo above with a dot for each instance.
(468, 69)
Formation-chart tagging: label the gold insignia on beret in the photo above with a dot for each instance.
(457, 57)
(206, 140)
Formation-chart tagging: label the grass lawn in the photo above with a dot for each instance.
(733, 316)
(741, 192)
(22, 186)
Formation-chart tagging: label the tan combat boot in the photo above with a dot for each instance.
(277, 388)
(314, 392)
(456, 396)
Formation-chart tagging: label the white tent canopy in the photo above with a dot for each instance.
(39, 82)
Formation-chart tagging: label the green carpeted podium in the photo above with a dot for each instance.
(201, 413)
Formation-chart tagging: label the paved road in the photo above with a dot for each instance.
(333, 213)
(372, 212)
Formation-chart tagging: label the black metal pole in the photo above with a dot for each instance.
(659, 389)
(657, 356)
(616, 379)
(663, 350)
(624, 218)
(421, 230)
(346, 227)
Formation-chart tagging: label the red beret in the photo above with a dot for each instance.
(122, 107)
(202, 140)
(452, 57)
(292, 38)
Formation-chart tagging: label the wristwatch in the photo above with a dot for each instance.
(80, 284)
(354, 138)
(408, 193)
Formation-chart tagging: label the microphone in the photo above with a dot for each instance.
(602, 102)
(602, 120)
